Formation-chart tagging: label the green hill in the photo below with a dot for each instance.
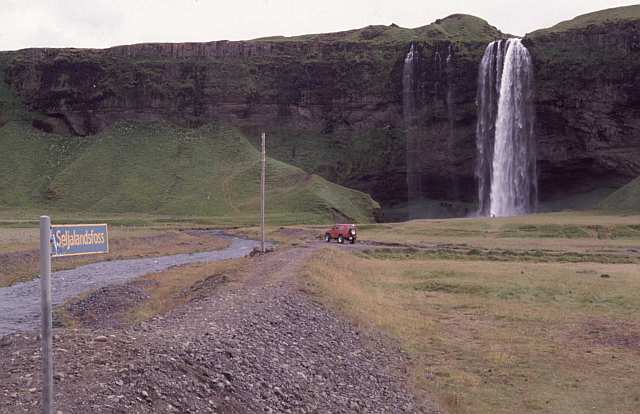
(626, 198)
(599, 18)
(457, 27)
(159, 168)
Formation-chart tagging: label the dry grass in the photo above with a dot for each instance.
(283, 235)
(177, 286)
(500, 337)
(164, 292)
(19, 255)
(27, 238)
(18, 239)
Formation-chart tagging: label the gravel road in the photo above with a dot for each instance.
(258, 343)
(20, 303)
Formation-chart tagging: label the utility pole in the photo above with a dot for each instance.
(45, 295)
(262, 192)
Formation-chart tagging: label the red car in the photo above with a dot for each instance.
(341, 232)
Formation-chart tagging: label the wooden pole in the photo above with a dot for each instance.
(262, 192)
(45, 298)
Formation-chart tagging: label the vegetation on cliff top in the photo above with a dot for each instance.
(457, 27)
(602, 17)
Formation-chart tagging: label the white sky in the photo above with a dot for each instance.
(103, 23)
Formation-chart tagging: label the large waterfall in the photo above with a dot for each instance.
(506, 163)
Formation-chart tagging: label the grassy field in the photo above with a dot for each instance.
(499, 333)
(572, 231)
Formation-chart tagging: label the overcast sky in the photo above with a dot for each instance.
(103, 23)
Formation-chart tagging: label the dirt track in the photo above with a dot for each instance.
(259, 344)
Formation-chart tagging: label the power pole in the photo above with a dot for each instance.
(262, 192)
(45, 294)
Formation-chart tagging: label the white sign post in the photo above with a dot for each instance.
(45, 293)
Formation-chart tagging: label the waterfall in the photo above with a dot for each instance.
(410, 121)
(488, 81)
(408, 88)
(450, 77)
(506, 163)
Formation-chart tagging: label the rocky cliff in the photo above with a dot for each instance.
(588, 101)
(332, 103)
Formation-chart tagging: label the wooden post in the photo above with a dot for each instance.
(262, 192)
(45, 298)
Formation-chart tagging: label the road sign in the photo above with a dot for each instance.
(58, 241)
(78, 239)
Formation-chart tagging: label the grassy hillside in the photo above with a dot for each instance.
(162, 169)
(614, 15)
(369, 160)
(626, 198)
(461, 28)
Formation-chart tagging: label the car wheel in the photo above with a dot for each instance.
(340, 239)
(327, 237)
(353, 241)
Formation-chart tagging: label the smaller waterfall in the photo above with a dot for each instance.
(506, 163)
(408, 88)
(450, 81)
(437, 58)
(411, 124)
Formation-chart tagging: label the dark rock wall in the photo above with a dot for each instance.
(446, 112)
(313, 86)
(587, 106)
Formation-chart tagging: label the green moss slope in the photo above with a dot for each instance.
(158, 168)
(626, 199)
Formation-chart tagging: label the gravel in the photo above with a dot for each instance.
(258, 344)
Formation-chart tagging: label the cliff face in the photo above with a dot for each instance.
(588, 101)
(191, 83)
(339, 95)
(332, 104)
